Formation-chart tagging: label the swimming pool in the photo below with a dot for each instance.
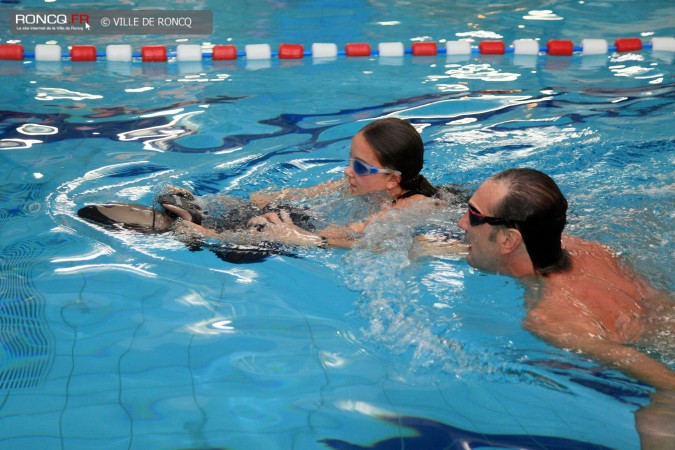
(122, 340)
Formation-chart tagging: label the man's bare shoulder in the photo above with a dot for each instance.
(596, 266)
(597, 296)
(560, 322)
(580, 248)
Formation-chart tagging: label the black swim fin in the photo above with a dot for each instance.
(173, 202)
(243, 254)
(116, 215)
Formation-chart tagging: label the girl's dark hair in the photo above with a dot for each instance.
(399, 146)
(538, 209)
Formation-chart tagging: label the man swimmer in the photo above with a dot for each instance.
(578, 295)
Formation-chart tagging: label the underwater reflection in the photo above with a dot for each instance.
(432, 435)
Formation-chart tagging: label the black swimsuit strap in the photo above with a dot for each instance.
(409, 193)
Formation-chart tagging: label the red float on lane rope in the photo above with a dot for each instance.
(492, 47)
(224, 52)
(424, 49)
(291, 51)
(560, 47)
(83, 53)
(11, 52)
(628, 44)
(153, 53)
(357, 49)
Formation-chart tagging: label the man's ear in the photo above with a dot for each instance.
(510, 241)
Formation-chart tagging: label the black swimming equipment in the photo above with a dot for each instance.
(409, 193)
(183, 201)
(115, 215)
(144, 219)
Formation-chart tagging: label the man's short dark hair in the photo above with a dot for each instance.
(538, 209)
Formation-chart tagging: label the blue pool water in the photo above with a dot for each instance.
(124, 340)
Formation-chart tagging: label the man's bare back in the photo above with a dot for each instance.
(602, 309)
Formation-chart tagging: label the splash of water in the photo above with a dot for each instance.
(397, 319)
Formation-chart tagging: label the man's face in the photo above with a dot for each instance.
(484, 239)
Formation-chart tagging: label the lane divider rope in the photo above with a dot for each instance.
(194, 52)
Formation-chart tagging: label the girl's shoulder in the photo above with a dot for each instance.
(417, 202)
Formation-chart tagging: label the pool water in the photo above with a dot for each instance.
(127, 340)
